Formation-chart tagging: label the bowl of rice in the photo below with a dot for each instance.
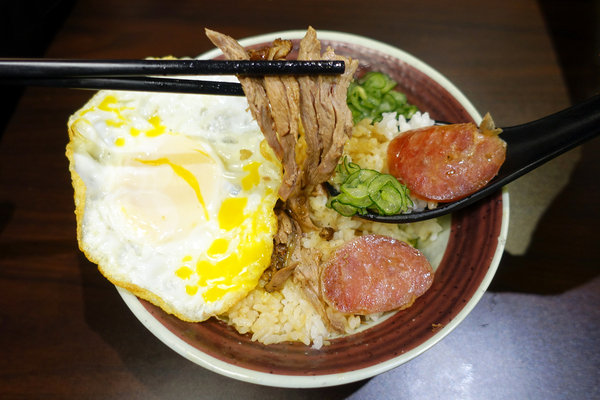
(278, 338)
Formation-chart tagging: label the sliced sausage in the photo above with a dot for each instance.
(375, 273)
(445, 163)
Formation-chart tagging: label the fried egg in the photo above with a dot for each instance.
(174, 197)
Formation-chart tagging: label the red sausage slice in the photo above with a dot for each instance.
(445, 163)
(375, 273)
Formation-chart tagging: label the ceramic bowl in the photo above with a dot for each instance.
(465, 256)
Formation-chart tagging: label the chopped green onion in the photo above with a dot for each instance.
(388, 200)
(360, 202)
(344, 209)
(366, 190)
(414, 242)
(343, 170)
(373, 94)
(356, 185)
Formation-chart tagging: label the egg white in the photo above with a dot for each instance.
(174, 197)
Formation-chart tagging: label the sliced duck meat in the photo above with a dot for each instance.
(283, 93)
(274, 104)
(288, 107)
(285, 242)
(310, 49)
(253, 89)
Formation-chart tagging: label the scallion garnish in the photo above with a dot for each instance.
(365, 190)
(373, 94)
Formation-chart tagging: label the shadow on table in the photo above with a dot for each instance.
(7, 210)
(564, 253)
(27, 27)
(162, 372)
(574, 27)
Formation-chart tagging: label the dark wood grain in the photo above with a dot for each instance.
(64, 331)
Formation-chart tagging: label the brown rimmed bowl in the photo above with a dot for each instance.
(465, 256)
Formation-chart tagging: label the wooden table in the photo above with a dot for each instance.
(65, 332)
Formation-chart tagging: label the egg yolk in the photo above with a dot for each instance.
(218, 273)
(191, 289)
(184, 272)
(109, 104)
(188, 176)
(231, 213)
(253, 177)
(157, 127)
(239, 270)
(114, 123)
(218, 247)
(165, 198)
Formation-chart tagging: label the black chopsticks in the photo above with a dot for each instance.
(52, 68)
(132, 74)
(141, 84)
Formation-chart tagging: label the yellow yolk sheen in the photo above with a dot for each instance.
(174, 197)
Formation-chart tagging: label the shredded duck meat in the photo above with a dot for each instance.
(306, 121)
(285, 243)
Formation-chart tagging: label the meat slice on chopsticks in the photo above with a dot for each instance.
(270, 104)
(306, 121)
